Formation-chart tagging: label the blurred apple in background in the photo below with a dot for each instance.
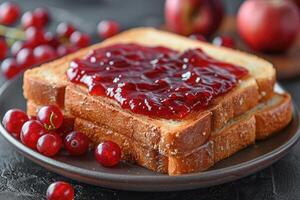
(297, 2)
(193, 16)
(268, 25)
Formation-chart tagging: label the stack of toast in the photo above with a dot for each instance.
(250, 112)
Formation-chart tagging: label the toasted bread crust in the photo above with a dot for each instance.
(260, 124)
(274, 119)
(182, 139)
(43, 93)
(193, 144)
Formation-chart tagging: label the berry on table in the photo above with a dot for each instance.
(51, 117)
(42, 13)
(17, 46)
(25, 58)
(9, 13)
(107, 28)
(13, 121)
(30, 19)
(76, 143)
(60, 191)
(49, 144)
(80, 39)
(51, 40)
(108, 153)
(44, 53)
(35, 36)
(10, 68)
(31, 131)
(3, 49)
(224, 41)
(65, 30)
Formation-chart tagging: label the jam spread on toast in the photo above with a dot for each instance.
(155, 81)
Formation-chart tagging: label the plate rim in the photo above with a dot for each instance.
(55, 165)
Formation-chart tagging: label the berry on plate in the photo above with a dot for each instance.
(49, 144)
(76, 143)
(108, 154)
(13, 121)
(51, 117)
(31, 131)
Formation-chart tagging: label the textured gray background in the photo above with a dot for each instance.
(22, 179)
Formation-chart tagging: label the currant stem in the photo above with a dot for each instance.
(12, 33)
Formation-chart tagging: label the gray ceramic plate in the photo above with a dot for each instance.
(131, 177)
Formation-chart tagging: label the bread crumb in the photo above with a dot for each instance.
(241, 101)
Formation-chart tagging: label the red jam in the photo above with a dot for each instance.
(155, 81)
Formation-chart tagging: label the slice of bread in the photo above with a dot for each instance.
(260, 122)
(47, 85)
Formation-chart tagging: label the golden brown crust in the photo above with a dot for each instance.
(131, 150)
(52, 91)
(274, 119)
(43, 92)
(168, 140)
(236, 135)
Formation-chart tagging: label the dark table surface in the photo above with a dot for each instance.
(22, 179)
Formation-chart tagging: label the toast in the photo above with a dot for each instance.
(260, 122)
(48, 85)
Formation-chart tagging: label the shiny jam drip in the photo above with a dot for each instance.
(155, 81)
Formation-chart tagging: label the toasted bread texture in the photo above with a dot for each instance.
(48, 85)
(49, 81)
(260, 122)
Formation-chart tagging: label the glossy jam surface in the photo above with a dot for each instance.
(155, 81)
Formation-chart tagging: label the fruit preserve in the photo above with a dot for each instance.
(155, 81)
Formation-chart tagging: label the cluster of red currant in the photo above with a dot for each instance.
(32, 44)
(41, 133)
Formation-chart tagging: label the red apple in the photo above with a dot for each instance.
(193, 16)
(269, 26)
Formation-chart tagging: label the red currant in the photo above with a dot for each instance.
(31, 19)
(51, 40)
(60, 191)
(17, 46)
(32, 118)
(51, 117)
(49, 144)
(35, 36)
(42, 13)
(44, 53)
(9, 13)
(65, 30)
(31, 131)
(13, 121)
(3, 49)
(107, 28)
(63, 50)
(199, 37)
(224, 41)
(76, 143)
(80, 39)
(25, 58)
(10, 68)
(108, 154)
